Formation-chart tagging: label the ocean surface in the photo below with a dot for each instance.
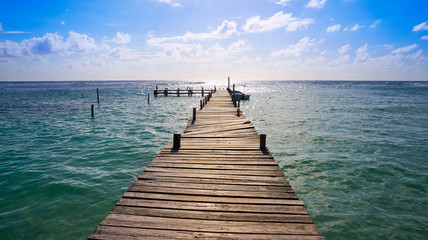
(355, 152)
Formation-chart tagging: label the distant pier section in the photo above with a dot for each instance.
(183, 92)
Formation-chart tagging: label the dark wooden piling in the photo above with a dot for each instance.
(262, 141)
(98, 97)
(194, 114)
(177, 141)
(148, 97)
(92, 111)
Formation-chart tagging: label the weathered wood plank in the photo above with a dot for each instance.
(123, 220)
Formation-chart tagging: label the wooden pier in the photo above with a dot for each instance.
(219, 182)
(183, 92)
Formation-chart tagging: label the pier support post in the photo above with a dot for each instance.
(262, 141)
(194, 114)
(92, 110)
(148, 97)
(177, 141)
(178, 92)
(98, 97)
(165, 92)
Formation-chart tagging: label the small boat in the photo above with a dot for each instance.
(241, 96)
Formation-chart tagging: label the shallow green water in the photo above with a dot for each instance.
(355, 152)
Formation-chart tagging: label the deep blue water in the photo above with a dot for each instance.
(355, 152)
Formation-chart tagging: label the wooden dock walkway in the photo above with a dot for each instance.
(218, 185)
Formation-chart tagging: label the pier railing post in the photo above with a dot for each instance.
(202, 91)
(98, 97)
(194, 114)
(177, 141)
(202, 105)
(262, 141)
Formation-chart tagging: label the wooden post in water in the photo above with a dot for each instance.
(148, 97)
(98, 97)
(194, 114)
(177, 141)
(262, 141)
(92, 110)
(178, 92)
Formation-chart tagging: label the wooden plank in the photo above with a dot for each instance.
(211, 215)
(211, 199)
(296, 208)
(211, 192)
(124, 233)
(179, 224)
(215, 186)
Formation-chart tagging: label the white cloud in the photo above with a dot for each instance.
(334, 28)
(424, 37)
(77, 42)
(170, 2)
(196, 52)
(122, 38)
(238, 46)
(297, 49)
(283, 2)
(62, 22)
(224, 31)
(361, 54)
(316, 3)
(15, 32)
(49, 44)
(247, 60)
(354, 28)
(388, 46)
(278, 20)
(420, 27)
(344, 49)
(404, 49)
(375, 23)
(340, 61)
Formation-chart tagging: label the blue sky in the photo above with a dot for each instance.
(210, 40)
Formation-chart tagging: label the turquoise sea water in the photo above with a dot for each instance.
(355, 152)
